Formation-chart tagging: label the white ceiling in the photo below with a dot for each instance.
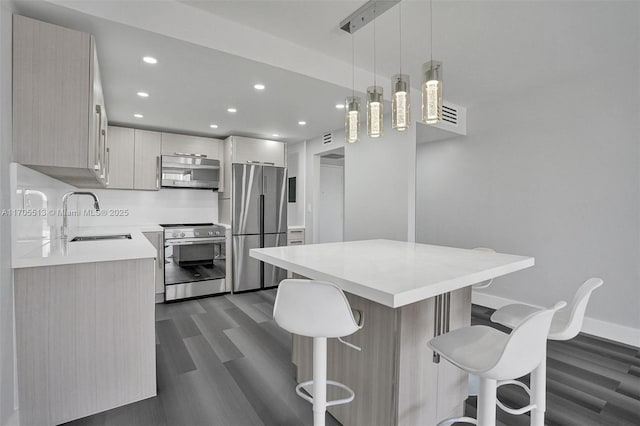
(490, 49)
(192, 86)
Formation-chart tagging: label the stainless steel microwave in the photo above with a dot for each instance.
(190, 171)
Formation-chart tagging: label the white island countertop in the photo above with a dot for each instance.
(392, 273)
(50, 252)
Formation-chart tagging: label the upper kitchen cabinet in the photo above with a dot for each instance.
(59, 117)
(174, 144)
(148, 148)
(120, 157)
(247, 150)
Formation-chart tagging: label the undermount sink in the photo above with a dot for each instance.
(102, 237)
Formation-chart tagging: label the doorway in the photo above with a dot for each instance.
(331, 197)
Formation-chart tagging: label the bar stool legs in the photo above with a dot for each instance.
(487, 402)
(319, 380)
(538, 384)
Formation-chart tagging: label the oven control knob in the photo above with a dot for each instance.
(217, 233)
(182, 235)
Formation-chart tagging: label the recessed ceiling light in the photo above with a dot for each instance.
(302, 123)
(213, 126)
(258, 86)
(232, 110)
(143, 94)
(275, 135)
(150, 60)
(138, 115)
(340, 106)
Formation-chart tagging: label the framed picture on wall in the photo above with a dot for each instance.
(292, 189)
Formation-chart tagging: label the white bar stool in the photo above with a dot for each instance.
(566, 325)
(493, 355)
(320, 310)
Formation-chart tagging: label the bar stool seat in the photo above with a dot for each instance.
(566, 323)
(496, 356)
(319, 310)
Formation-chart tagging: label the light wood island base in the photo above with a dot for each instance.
(394, 377)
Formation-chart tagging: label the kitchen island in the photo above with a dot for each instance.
(408, 293)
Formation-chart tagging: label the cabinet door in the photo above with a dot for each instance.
(246, 150)
(157, 239)
(147, 160)
(51, 95)
(173, 144)
(120, 157)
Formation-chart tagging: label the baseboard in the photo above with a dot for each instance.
(606, 330)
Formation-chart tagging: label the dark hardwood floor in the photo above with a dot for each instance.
(223, 361)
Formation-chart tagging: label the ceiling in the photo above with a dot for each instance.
(491, 50)
(192, 86)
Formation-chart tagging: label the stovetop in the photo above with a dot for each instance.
(184, 225)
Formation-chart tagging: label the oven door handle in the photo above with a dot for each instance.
(192, 241)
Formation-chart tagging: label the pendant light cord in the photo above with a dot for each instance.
(353, 67)
(400, 29)
(374, 45)
(431, 27)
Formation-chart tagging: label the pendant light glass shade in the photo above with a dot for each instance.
(352, 119)
(400, 102)
(432, 92)
(374, 111)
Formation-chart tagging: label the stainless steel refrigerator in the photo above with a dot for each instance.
(258, 219)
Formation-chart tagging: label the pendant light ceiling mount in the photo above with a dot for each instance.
(368, 12)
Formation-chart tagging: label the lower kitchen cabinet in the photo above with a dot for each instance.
(85, 338)
(295, 236)
(157, 239)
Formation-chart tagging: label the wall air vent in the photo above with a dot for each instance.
(327, 138)
(453, 124)
(450, 114)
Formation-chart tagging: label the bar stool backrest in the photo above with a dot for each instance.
(313, 309)
(526, 347)
(568, 322)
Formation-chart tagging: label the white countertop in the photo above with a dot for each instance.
(34, 253)
(392, 273)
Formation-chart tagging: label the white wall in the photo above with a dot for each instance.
(296, 164)
(378, 177)
(153, 207)
(8, 398)
(330, 209)
(552, 174)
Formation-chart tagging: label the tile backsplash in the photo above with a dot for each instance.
(36, 205)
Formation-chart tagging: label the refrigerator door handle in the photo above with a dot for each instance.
(262, 220)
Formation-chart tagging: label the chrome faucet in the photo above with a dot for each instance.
(65, 199)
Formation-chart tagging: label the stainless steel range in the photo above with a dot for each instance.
(195, 260)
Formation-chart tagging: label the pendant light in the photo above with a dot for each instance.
(431, 84)
(352, 107)
(400, 99)
(374, 96)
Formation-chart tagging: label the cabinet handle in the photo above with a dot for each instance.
(158, 172)
(96, 166)
(160, 250)
(103, 135)
(108, 165)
